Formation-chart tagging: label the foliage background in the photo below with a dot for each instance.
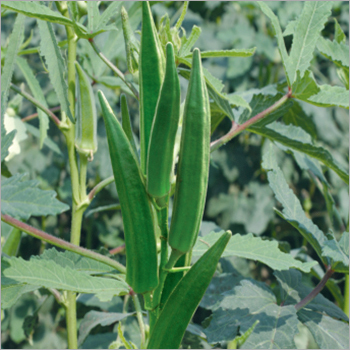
(239, 197)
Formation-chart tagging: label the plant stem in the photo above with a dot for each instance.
(58, 242)
(99, 187)
(302, 303)
(117, 250)
(346, 295)
(37, 49)
(36, 103)
(114, 69)
(139, 318)
(35, 115)
(71, 320)
(237, 129)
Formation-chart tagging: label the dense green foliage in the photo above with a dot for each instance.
(280, 185)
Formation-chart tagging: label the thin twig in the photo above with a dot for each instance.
(32, 231)
(237, 129)
(99, 187)
(117, 250)
(35, 115)
(36, 103)
(302, 303)
(114, 69)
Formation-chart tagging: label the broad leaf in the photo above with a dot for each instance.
(37, 94)
(36, 10)
(293, 290)
(327, 332)
(304, 87)
(242, 307)
(295, 138)
(49, 274)
(21, 198)
(95, 318)
(329, 96)
(307, 31)
(50, 50)
(226, 53)
(76, 262)
(334, 51)
(338, 252)
(293, 211)
(253, 248)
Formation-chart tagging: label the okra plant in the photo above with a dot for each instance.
(165, 270)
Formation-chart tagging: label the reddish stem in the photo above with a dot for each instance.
(35, 115)
(117, 250)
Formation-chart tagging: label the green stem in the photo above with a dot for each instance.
(346, 295)
(178, 269)
(36, 103)
(37, 49)
(237, 129)
(114, 69)
(139, 318)
(99, 187)
(60, 243)
(71, 320)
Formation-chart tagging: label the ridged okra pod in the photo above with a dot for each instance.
(151, 67)
(185, 298)
(193, 166)
(86, 130)
(140, 241)
(164, 128)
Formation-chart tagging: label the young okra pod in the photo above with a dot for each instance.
(86, 128)
(151, 67)
(193, 166)
(185, 298)
(164, 128)
(140, 240)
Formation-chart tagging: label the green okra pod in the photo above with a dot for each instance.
(140, 240)
(163, 133)
(193, 165)
(86, 129)
(152, 64)
(185, 298)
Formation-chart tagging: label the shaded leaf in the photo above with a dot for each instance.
(253, 248)
(338, 252)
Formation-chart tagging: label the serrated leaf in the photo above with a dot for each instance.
(226, 53)
(21, 198)
(278, 34)
(15, 41)
(37, 94)
(334, 51)
(307, 31)
(295, 138)
(36, 10)
(53, 57)
(329, 96)
(48, 274)
(327, 332)
(76, 262)
(338, 252)
(108, 13)
(93, 15)
(293, 290)
(246, 303)
(253, 248)
(186, 47)
(290, 28)
(339, 35)
(95, 318)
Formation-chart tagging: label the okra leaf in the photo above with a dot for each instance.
(99, 340)
(49, 274)
(334, 51)
(253, 248)
(226, 53)
(293, 290)
(93, 14)
(307, 31)
(297, 139)
(242, 307)
(327, 332)
(95, 318)
(54, 60)
(21, 198)
(76, 262)
(37, 94)
(339, 35)
(108, 13)
(338, 252)
(36, 10)
(304, 87)
(186, 47)
(329, 96)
